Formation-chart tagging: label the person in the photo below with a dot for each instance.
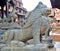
(2, 3)
(0, 14)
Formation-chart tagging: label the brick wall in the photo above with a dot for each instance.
(56, 37)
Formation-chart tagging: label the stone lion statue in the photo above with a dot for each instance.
(38, 22)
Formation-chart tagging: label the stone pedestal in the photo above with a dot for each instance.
(38, 47)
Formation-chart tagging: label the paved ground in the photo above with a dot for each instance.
(58, 49)
(54, 49)
(57, 45)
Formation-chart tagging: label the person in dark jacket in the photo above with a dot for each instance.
(55, 3)
(2, 3)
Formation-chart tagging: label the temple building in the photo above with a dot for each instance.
(17, 6)
(21, 11)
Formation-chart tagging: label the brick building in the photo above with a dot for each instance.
(56, 24)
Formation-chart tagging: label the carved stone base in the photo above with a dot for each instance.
(38, 47)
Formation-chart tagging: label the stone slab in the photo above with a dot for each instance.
(27, 48)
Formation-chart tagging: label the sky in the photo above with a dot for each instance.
(31, 4)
